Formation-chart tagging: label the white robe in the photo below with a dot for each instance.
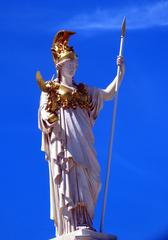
(73, 167)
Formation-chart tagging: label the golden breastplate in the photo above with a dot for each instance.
(62, 96)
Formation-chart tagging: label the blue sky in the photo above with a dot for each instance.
(137, 206)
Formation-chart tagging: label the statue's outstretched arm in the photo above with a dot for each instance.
(109, 91)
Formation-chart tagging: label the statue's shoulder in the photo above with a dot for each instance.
(52, 84)
(86, 87)
(83, 88)
(81, 85)
(52, 81)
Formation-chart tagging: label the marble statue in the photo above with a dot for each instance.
(67, 113)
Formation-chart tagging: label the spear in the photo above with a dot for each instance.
(112, 129)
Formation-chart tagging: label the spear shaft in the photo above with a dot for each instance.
(112, 129)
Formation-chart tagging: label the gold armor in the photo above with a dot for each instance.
(62, 96)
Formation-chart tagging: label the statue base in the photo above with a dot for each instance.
(85, 234)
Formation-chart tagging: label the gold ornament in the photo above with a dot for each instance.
(60, 49)
(60, 96)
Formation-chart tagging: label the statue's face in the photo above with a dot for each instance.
(68, 68)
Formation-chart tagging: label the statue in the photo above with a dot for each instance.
(67, 113)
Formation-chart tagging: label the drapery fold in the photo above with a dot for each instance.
(74, 172)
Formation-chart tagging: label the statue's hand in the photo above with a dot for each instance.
(120, 62)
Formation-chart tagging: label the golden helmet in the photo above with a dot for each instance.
(60, 49)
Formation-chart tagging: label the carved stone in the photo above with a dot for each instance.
(85, 234)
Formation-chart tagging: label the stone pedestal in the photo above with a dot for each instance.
(85, 234)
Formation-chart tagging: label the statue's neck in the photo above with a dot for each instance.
(67, 81)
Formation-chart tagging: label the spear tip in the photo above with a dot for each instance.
(123, 27)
